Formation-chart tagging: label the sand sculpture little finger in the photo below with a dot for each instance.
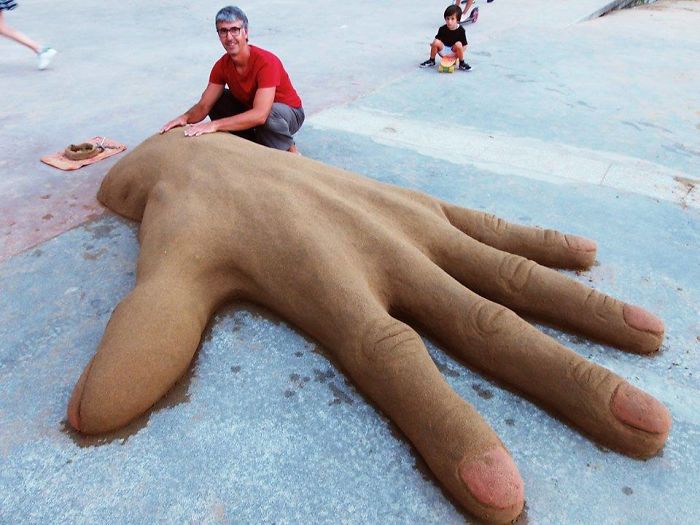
(354, 263)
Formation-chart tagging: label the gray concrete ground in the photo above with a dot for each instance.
(588, 126)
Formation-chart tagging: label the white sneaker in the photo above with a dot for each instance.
(45, 56)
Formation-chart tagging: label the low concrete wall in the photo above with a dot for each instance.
(617, 4)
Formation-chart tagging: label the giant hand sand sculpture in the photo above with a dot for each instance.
(341, 257)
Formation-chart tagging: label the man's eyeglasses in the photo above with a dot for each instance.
(235, 31)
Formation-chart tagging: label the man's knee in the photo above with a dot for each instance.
(276, 122)
(282, 122)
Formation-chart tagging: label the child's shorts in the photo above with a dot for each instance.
(446, 51)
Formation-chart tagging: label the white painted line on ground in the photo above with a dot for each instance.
(515, 156)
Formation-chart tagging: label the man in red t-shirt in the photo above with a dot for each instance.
(260, 103)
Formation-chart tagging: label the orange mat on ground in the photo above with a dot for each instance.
(60, 161)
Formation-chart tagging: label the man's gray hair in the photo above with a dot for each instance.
(231, 13)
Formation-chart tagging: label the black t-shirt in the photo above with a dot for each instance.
(450, 38)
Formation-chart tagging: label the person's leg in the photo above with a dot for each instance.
(18, 37)
(279, 127)
(435, 47)
(228, 106)
(458, 50)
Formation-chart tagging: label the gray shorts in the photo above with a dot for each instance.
(282, 122)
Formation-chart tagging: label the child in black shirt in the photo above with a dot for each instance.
(450, 40)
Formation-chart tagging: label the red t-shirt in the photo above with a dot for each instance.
(264, 70)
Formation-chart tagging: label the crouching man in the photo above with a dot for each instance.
(249, 92)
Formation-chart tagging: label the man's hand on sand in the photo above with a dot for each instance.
(195, 130)
(175, 123)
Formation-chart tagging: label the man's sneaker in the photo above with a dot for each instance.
(427, 63)
(463, 66)
(45, 56)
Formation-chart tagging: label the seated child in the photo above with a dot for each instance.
(450, 39)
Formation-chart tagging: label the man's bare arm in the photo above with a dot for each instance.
(255, 116)
(200, 110)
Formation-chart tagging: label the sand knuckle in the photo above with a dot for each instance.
(515, 272)
(435, 207)
(600, 305)
(411, 203)
(552, 238)
(441, 420)
(588, 376)
(388, 343)
(494, 223)
(487, 319)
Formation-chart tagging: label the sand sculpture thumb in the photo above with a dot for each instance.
(344, 258)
